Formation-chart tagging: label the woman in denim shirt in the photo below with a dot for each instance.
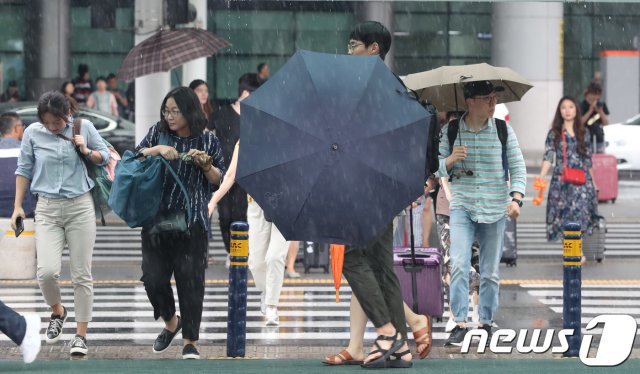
(51, 162)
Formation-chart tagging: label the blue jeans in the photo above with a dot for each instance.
(490, 236)
(12, 324)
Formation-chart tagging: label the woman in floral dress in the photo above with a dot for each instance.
(569, 202)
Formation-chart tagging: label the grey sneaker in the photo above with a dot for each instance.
(78, 346)
(456, 337)
(55, 327)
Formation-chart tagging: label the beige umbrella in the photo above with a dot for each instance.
(443, 86)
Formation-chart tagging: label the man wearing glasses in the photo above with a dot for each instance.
(481, 197)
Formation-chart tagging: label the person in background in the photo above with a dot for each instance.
(267, 247)
(226, 124)
(121, 100)
(103, 100)
(68, 89)
(83, 85)
(51, 162)
(201, 88)
(11, 95)
(290, 270)
(11, 133)
(263, 72)
(569, 202)
(595, 115)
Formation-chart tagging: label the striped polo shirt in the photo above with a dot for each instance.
(485, 194)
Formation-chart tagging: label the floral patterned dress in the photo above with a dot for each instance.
(569, 202)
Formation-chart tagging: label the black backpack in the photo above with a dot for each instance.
(503, 133)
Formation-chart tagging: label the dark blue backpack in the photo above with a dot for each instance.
(136, 192)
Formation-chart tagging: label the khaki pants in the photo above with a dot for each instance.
(267, 253)
(71, 221)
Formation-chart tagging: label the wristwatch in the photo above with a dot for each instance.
(517, 201)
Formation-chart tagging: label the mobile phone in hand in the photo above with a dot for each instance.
(19, 226)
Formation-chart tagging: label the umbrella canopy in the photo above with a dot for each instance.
(167, 49)
(443, 88)
(332, 147)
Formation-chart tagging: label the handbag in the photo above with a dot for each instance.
(137, 193)
(571, 175)
(102, 176)
(170, 222)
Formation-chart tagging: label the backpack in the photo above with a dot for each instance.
(136, 193)
(503, 133)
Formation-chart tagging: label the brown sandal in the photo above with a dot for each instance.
(423, 337)
(344, 357)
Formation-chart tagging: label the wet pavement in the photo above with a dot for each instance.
(313, 325)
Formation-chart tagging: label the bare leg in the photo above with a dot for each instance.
(291, 256)
(427, 221)
(418, 322)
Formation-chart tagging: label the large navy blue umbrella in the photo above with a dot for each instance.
(332, 147)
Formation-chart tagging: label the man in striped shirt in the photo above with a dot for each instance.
(481, 197)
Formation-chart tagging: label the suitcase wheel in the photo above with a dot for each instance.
(599, 260)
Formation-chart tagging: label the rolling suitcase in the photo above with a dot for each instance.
(593, 246)
(420, 275)
(316, 256)
(605, 175)
(510, 244)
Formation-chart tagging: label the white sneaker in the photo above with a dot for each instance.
(263, 305)
(272, 316)
(227, 262)
(450, 325)
(31, 342)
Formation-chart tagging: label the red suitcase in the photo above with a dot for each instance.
(605, 175)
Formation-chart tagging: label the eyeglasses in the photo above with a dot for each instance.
(353, 45)
(487, 99)
(173, 113)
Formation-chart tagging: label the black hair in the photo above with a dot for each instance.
(248, 82)
(54, 103)
(82, 68)
(100, 78)
(593, 88)
(370, 32)
(189, 107)
(111, 76)
(197, 83)
(7, 121)
(64, 85)
(261, 66)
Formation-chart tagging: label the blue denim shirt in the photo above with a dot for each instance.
(52, 164)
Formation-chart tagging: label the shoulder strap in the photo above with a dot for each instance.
(164, 140)
(77, 125)
(564, 149)
(503, 134)
(452, 134)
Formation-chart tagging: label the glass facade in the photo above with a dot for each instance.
(593, 27)
(426, 35)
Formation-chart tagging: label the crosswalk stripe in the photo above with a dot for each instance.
(123, 313)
